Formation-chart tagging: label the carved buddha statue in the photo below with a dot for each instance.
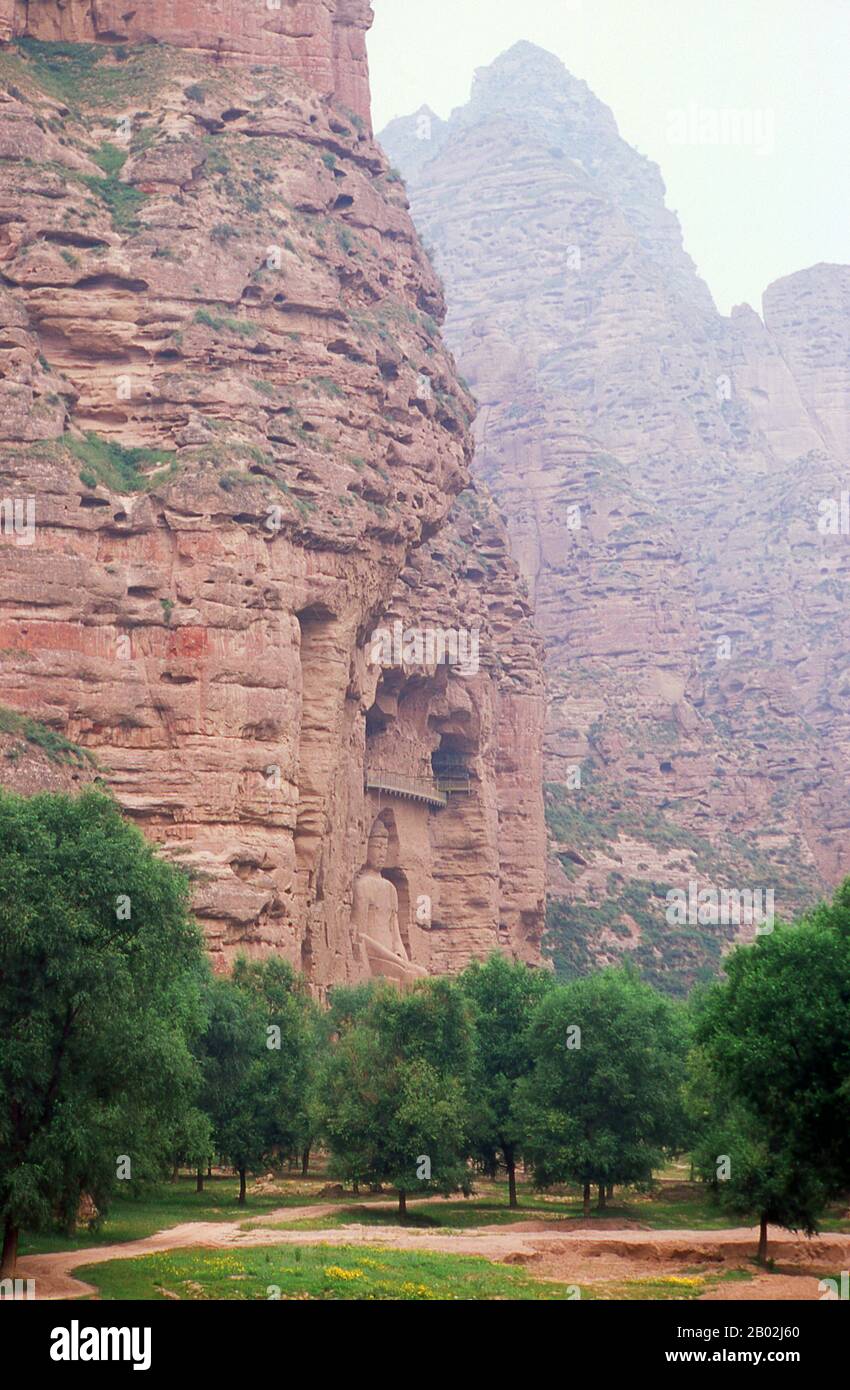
(374, 915)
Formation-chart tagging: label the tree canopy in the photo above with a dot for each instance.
(102, 972)
(774, 1055)
(604, 1097)
(396, 1090)
(504, 995)
(256, 1057)
(121, 1055)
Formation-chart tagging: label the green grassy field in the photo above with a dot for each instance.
(336, 1272)
(363, 1273)
(354, 1272)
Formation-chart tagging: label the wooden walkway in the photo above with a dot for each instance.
(422, 789)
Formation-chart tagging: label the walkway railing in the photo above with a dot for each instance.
(422, 789)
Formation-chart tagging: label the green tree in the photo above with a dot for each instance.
(754, 1173)
(190, 1144)
(774, 1054)
(396, 1090)
(504, 996)
(256, 1057)
(604, 1098)
(308, 1119)
(101, 982)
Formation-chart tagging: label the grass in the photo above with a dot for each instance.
(664, 1287)
(63, 69)
(337, 1273)
(89, 74)
(453, 1216)
(110, 158)
(122, 199)
(359, 1272)
(119, 468)
(235, 477)
(241, 326)
(494, 1211)
(366, 1273)
(655, 1211)
(56, 746)
(328, 385)
(169, 1204)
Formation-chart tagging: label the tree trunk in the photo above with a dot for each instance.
(10, 1249)
(512, 1201)
(355, 1187)
(305, 1161)
(402, 1204)
(242, 1198)
(199, 1185)
(610, 1192)
(209, 1170)
(175, 1173)
(600, 1205)
(762, 1254)
(586, 1195)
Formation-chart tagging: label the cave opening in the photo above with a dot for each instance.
(450, 763)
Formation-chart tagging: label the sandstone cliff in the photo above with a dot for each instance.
(223, 386)
(664, 472)
(323, 41)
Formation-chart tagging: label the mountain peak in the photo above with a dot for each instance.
(529, 79)
(525, 61)
(530, 55)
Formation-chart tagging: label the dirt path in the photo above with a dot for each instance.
(546, 1248)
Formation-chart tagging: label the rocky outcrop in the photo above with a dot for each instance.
(223, 387)
(323, 41)
(664, 472)
(484, 722)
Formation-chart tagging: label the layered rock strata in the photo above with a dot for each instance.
(323, 41)
(224, 391)
(667, 475)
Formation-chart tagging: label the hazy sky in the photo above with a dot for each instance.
(755, 203)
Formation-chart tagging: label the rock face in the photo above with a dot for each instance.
(224, 397)
(323, 41)
(668, 476)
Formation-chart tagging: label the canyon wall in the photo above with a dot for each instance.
(667, 475)
(323, 41)
(224, 392)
